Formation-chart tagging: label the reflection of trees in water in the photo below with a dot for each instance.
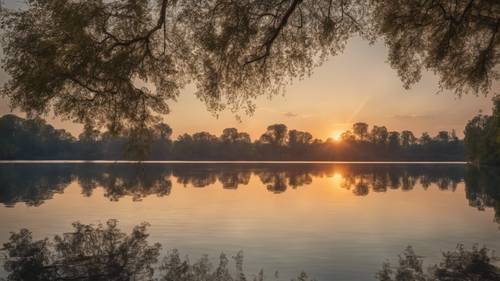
(118, 181)
(278, 180)
(275, 182)
(200, 176)
(36, 183)
(88, 253)
(483, 189)
(232, 179)
(104, 252)
(19, 183)
(380, 179)
(477, 264)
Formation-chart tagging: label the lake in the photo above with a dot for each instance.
(336, 221)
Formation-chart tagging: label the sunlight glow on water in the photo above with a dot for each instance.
(334, 221)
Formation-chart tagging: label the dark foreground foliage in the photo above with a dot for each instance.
(477, 264)
(482, 137)
(103, 252)
(29, 139)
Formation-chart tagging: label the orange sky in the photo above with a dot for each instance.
(355, 86)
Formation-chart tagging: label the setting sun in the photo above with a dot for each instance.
(336, 135)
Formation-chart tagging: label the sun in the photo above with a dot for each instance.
(336, 135)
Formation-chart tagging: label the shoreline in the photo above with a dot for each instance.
(225, 162)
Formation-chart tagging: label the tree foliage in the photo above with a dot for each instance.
(459, 265)
(458, 40)
(23, 139)
(482, 137)
(120, 63)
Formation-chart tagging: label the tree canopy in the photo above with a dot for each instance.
(120, 63)
(482, 137)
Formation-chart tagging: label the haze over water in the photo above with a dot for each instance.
(334, 221)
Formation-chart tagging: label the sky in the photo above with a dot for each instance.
(356, 86)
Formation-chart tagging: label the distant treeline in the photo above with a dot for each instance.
(29, 139)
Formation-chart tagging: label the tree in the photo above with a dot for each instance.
(229, 135)
(379, 135)
(89, 60)
(297, 138)
(407, 138)
(443, 137)
(162, 131)
(425, 138)
(275, 135)
(89, 135)
(347, 136)
(243, 138)
(460, 41)
(482, 137)
(360, 130)
(394, 140)
(33, 139)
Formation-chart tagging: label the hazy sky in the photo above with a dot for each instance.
(356, 86)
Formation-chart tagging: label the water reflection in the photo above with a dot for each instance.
(104, 252)
(483, 189)
(34, 184)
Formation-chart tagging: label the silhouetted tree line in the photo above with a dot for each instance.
(35, 183)
(482, 137)
(35, 139)
(104, 252)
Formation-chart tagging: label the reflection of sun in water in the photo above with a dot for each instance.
(337, 177)
(337, 180)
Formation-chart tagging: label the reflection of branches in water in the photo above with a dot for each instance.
(483, 189)
(380, 179)
(88, 253)
(476, 264)
(35, 183)
(119, 181)
(275, 182)
(201, 176)
(195, 179)
(232, 179)
(104, 252)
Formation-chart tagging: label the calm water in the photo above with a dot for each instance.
(334, 221)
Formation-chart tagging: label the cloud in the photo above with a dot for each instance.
(413, 116)
(290, 114)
